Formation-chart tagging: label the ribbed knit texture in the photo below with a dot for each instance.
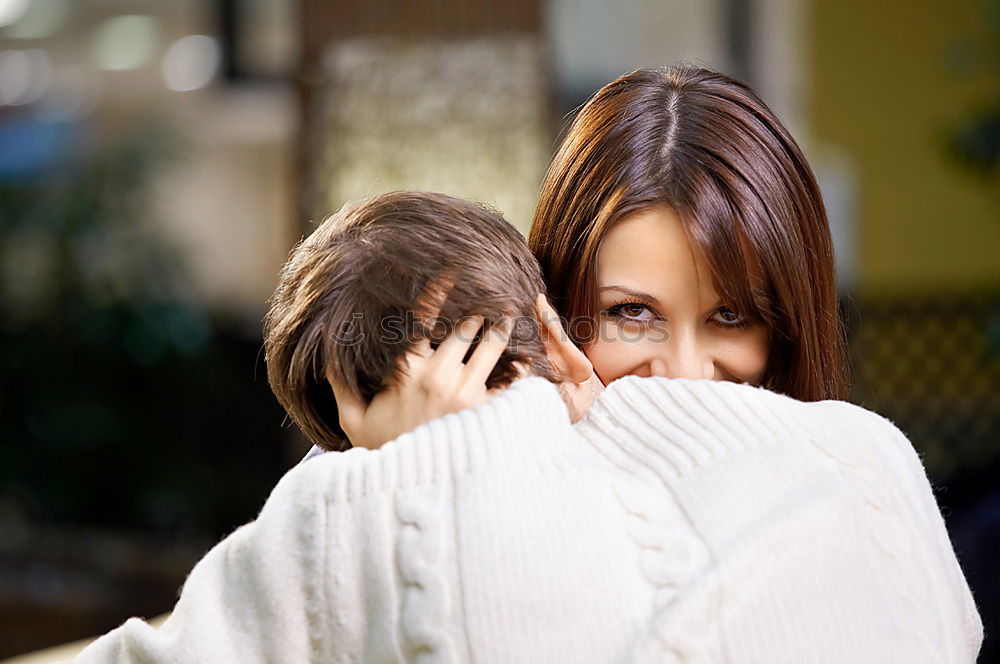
(680, 521)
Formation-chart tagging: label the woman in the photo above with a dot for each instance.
(681, 233)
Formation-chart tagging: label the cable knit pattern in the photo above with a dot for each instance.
(679, 521)
(670, 555)
(425, 599)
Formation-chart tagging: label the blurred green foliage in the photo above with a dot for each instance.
(123, 402)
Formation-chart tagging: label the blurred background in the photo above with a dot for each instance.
(159, 159)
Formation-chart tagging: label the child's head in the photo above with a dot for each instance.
(354, 296)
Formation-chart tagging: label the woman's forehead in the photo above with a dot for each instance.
(649, 251)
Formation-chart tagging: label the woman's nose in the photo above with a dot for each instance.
(683, 363)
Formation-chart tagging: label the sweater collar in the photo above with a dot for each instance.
(531, 408)
(526, 425)
(665, 427)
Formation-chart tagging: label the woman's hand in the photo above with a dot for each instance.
(432, 383)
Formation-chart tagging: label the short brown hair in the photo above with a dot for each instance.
(708, 147)
(352, 295)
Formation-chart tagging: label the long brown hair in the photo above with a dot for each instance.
(707, 146)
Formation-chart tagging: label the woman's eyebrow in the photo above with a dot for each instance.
(639, 295)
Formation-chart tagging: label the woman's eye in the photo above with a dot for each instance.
(729, 318)
(631, 311)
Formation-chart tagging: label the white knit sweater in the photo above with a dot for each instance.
(680, 521)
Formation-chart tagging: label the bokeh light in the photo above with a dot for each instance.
(191, 62)
(42, 20)
(125, 42)
(12, 10)
(24, 76)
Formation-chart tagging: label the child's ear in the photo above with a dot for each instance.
(568, 360)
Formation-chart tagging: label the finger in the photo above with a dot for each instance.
(452, 351)
(421, 347)
(412, 363)
(488, 352)
(350, 408)
(540, 307)
(549, 320)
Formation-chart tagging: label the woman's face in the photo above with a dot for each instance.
(659, 314)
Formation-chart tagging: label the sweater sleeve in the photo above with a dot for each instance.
(251, 598)
(345, 561)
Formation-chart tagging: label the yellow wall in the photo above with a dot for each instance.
(882, 91)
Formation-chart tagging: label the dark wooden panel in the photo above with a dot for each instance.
(326, 20)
